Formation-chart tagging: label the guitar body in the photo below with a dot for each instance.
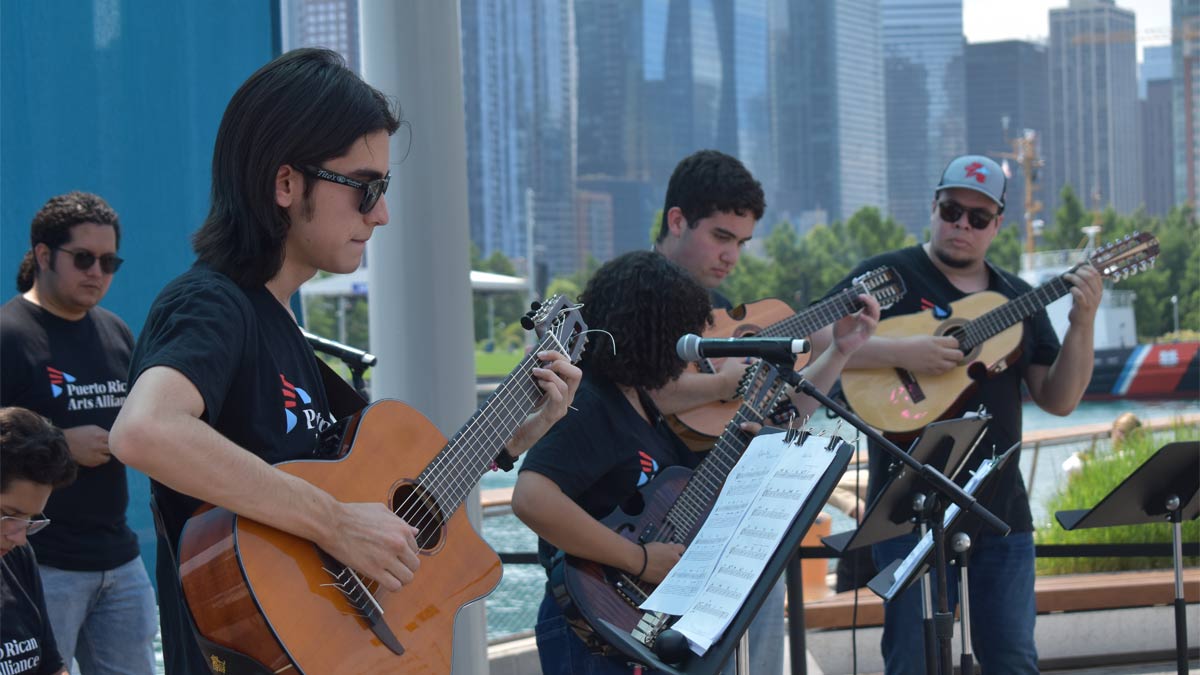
(595, 590)
(700, 427)
(901, 402)
(267, 594)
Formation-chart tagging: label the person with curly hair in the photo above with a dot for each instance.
(65, 357)
(613, 441)
(35, 459)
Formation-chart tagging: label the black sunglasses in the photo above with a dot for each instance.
(109, 262)
(979, 218)
(372, 190)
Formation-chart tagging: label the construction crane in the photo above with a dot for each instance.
(1024, 151)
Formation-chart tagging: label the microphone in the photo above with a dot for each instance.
(694, 348)
(352, 356)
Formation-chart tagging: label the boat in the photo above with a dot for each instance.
(1123, 367)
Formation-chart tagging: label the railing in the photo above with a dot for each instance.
(497, 503)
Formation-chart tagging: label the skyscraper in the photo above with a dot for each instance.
(1158, 166)
(1158, 145)
(1185, 79)
(322, 23)
(519, 94)
(1007, 93)
(828, 109)
(1094, 133)
(925, 90)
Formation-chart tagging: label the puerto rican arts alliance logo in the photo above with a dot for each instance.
(297, 406)
(85, 395)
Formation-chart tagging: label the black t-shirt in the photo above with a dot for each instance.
(261, 388)
(929, 289)
(26, 641)
(248, 359)
(73, 372)
(603, 451)
(718, 300)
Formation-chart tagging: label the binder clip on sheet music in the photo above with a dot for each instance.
(765, 490)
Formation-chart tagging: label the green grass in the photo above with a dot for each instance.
(487, 364)
(497, 363)
(1099, 475)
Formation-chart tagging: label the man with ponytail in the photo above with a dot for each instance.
(66, 358)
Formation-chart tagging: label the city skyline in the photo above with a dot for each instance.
(1029, 20)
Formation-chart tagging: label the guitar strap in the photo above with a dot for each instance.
(344, 400)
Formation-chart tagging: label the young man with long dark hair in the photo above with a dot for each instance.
(224, 383)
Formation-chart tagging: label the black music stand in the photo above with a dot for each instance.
(943, 445)
(1164, 488)
(717, 655)
(886, 584)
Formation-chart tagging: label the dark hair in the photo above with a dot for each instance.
(646, 302)
(32, 449)
(305, 107)
(708, 182)
(52, 226)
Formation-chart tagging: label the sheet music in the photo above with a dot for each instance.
(760, 499)
(925, 545)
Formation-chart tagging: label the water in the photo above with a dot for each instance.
(512, 608)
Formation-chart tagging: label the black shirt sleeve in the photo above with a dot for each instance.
(189, 319)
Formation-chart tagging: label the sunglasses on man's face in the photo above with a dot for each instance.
(109, 262)
(372, 190)
(979, 218)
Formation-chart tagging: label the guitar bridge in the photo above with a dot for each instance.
(911, 386)
(361, 600)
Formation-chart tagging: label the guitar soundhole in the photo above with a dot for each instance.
(957, 330)
(418, 508)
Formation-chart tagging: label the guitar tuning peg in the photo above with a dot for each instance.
(535, 306)
(527, 322)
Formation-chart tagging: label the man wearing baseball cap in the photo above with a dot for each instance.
(966, 213)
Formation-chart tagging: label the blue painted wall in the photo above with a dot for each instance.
(122, 98)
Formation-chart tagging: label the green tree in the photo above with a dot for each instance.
(1005, 250)
(1069, 219)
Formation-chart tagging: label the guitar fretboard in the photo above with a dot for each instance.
(468, 455)
(818, 316)
(992, 323)
(705, 484)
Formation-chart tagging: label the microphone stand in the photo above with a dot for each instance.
(356, 359)
(935, 507)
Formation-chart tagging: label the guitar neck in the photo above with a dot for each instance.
(456, 470)
(818, 316)
(705, 484)
(992, 323)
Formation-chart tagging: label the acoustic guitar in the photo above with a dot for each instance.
(676, 504)
(988, 327)
(284, 603)
(699, 427)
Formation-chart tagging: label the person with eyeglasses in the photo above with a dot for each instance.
(36, 460)
(65, 357)
(966, 213)
(223, 382)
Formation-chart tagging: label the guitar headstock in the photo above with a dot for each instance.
(761, 387)
(1126, 256)
(882, 283)
(558, 318)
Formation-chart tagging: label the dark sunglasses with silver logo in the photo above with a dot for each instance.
(372, 190)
